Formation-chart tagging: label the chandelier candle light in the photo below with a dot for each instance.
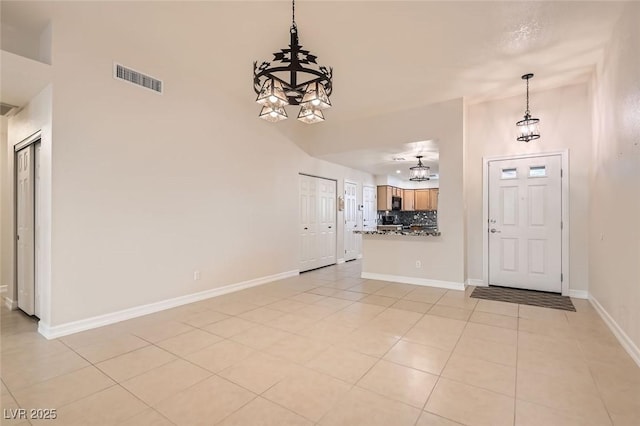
(420, 172)
(296, 79)
(528, 128)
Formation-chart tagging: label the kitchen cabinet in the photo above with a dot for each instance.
(412, 199)
(422, 199)
(433, 198)
(408, 200)
(385, 193)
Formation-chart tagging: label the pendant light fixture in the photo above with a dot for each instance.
(528, 128)
(295, 79)
(420, 172)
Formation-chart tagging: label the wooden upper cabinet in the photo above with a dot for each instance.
(433, 198)
(384, 197)
(412, 199)
(422, 199)
(408, 199)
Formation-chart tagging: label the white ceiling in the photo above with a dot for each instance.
(387, 55)
(389, 160)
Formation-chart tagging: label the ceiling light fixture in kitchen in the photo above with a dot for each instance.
(296, 79)
(420, 172)
(528, 128)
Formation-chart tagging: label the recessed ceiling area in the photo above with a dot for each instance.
(389, 160)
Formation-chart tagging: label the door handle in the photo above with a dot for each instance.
(494, 230)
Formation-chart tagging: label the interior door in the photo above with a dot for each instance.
(525, 223)
(369, 222)
(309, 252)
(327, 222)
(25, 222)
(350, 221)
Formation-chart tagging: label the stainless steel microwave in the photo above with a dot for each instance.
(396, 203)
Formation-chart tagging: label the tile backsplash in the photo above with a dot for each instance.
(427, 218)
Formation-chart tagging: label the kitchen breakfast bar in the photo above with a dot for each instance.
(402, 255)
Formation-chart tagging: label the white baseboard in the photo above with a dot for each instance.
(626, 342)
(450, 285)
(475, 282)
(339, 261)
(3, 288)
(12, 305)
(579, 294)
(53, 332)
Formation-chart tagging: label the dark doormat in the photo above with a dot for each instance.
(524, 297)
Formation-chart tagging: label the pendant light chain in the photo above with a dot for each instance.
(293, 14)
(527, 112)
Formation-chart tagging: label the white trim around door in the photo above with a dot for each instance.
(564, 155)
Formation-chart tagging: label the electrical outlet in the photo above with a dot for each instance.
(418, 264)
(196, 275)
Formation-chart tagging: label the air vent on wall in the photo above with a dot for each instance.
(127, 74)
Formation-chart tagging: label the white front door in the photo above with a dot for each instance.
(25, 227)
(369, 222)
(525, 223)
(350, 221)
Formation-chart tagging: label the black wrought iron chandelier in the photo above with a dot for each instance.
(296, 79)
(528, 128)
(420, 172)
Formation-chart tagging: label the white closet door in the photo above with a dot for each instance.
(328, 189)
(369, 222)
(309, 253)
(350, 221)
(26, 225)
(317, 222)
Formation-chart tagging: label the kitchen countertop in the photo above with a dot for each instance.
(424, 233)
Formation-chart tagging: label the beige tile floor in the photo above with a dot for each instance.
(328, 348)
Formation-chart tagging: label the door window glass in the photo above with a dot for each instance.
(538, 171)
(509, 174)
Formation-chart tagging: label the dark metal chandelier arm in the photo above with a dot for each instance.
(322, 75)
(291, 82)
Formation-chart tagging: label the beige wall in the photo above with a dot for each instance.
(442, 257)
(565, 123)
(614, 218)
(148, 188)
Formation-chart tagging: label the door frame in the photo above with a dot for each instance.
(564, 190)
